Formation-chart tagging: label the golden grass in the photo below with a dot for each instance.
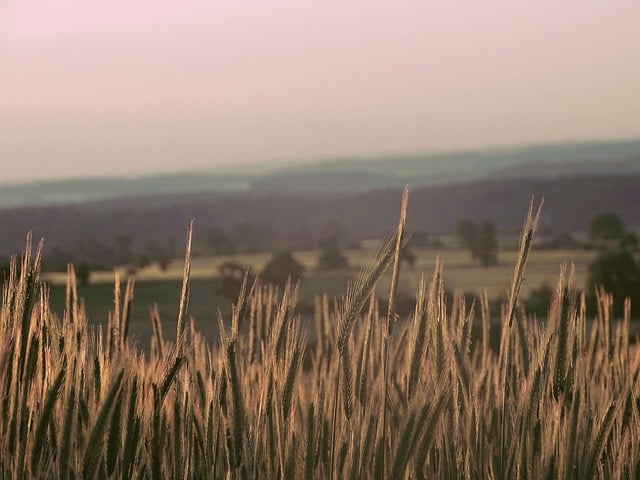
(371, 398)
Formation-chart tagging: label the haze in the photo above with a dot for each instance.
(130, 87)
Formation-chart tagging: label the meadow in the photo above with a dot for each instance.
(461, 274)
(375, 396)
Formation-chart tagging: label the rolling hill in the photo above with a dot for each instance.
(351, 175)
(570, 204)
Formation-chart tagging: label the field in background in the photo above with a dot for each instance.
(461, 275)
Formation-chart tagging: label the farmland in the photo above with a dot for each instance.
(371, 397)
(461, 275)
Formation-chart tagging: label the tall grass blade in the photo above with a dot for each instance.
(45, 418)
(94, 451)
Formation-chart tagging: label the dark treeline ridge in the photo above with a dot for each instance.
(300, 219)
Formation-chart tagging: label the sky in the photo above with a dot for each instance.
(131, 87)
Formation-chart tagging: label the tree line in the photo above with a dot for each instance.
(616, 267)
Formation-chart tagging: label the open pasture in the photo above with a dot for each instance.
(461, 275)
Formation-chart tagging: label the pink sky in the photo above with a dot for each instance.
(126, 87)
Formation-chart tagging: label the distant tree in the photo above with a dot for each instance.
(163, 263)
(619, 274)
(280, 267)
(467, 234)
(487, 244)
(480, 240)
(607, 226)
(158, 254)
(141, 260)
(629, 241)
(331, 257)
(83, 273)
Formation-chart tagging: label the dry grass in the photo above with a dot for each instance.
(559, 400)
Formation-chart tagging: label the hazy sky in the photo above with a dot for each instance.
(130, 86)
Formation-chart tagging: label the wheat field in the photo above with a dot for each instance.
(375, 396)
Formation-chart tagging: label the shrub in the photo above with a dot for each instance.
(281, 266)
(480, 240)
(83, 273)
(619, 274)
(606, 226)
(331, 257)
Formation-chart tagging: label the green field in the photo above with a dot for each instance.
(461, 275)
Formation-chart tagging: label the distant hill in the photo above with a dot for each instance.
(570, 204)
(353, 175)
(300, 181)
(538, 161)
(88, 189)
